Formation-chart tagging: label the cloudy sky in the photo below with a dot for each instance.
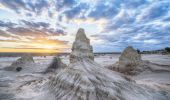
(112, 25)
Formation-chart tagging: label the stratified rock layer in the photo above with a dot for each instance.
(20, 63)
(84, 79)
(81, 47)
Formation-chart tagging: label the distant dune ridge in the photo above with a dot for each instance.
(84, 79)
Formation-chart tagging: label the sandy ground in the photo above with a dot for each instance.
(156, 80)
(101, 59)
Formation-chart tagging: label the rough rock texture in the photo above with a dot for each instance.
(130, 63)
(84, 79)
(56, 64)
(129, 60)
(81, 47)
(130, 55)
(20, 63)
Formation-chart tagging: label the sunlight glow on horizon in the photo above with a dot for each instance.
(42, 45)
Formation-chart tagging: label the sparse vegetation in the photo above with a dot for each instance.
(138, 50)
(167, 49)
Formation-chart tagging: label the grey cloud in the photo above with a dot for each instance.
(17, 5)
(60, 4)
(76, 11)
(35, 24)
(6, 24)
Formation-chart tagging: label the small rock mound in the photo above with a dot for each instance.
(81, 47)
(129, 60)
(20, 63)
(56, 64)
(130, 63)
(131, 55)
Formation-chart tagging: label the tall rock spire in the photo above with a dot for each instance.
(81, 47)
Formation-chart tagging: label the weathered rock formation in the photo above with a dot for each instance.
(84, 79)
(129, 60)
(130, 55)
(55, 65)
(20, 63)
(81, 47)
(130, 63)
